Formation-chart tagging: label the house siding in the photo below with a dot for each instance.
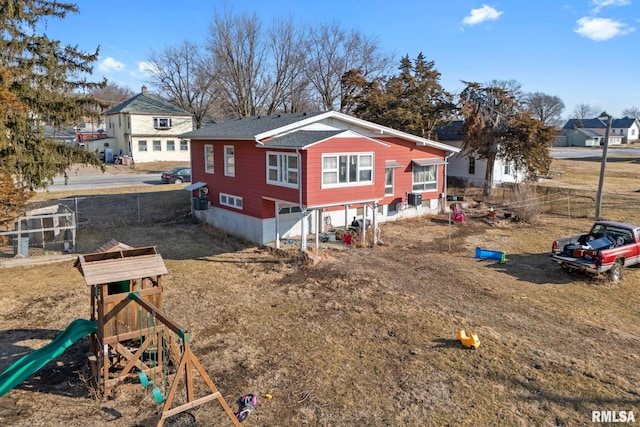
(125, 127)
(334, 205)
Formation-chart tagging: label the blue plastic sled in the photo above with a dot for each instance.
(487, 254)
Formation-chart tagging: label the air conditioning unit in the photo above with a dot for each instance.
(414, 199)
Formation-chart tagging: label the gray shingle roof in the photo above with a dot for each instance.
(451, 132)
(589, 132)
(247, 127)
(624, 123)
(147, 103)
(301, 138)
(585, 123)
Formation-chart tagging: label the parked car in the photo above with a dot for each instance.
(177, 175)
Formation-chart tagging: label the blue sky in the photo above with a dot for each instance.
(584, 51)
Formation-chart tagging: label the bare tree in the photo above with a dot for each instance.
(633, 112)
(332, 52)
(546, 108)
(240, 54)
(586, 111)
(181, 75)
(287, 79)
(513, 87)
(111, 94)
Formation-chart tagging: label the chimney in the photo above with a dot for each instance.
(144, 89)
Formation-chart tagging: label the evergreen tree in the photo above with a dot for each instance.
(496, 125)
(412, 101)
(40, 82)
(486, 112)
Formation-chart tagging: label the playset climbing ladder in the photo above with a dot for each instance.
(126, 301)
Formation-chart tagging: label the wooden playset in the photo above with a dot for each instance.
(134, 336)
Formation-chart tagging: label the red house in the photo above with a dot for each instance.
(272, 177)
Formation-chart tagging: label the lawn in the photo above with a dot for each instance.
(366, 336)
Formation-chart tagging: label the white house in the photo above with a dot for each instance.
(146, 128)
(471, 170)
(625, 130)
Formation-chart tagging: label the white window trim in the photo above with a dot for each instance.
(171, 145)
(231, 201)
(472, 165)
(146, 146)
(159, 145)
(393, 179)
(156, 123)
(184, 143)
(209, 168)
(226, 158)
(424, 183)
(283, 170)
(337, 170)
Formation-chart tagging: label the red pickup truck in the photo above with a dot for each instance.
(607, 248)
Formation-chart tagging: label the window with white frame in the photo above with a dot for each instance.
(425, 177)
(388, 181)
(142, 145)
(282, 169)
(162, 122)
(208, 158)
(229, 161)
(472, 166)
(507, 168)
(157, 145)
(184, 145)
(347, 169)
(171, 145)
(231, 201)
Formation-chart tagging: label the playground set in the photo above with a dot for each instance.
(131, 335)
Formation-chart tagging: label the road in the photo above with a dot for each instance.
(583, 152)
(105, 180)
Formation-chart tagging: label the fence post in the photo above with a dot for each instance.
(569, 206)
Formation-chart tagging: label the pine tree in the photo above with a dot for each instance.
(412, 101)
(40, 82)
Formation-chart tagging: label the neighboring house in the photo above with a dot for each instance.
(272, 177)
(625, 130)
(65, 135)
(580, 137)
(147, 128)
(471, 170)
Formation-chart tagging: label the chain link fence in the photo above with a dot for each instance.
(51, 227)
(528, 200)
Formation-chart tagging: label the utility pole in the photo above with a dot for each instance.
(603, 166)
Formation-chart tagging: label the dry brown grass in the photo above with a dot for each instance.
(366, 337)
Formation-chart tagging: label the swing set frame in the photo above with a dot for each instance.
(126, 284)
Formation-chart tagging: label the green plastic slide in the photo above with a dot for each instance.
(37, 359)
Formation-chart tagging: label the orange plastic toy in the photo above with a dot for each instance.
(471, 341)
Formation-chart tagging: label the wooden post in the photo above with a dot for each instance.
(603, 165)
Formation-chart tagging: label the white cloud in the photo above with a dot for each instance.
(145, 68)
(478, 16)
(601, 4)
(600, 29)
(110, 64)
